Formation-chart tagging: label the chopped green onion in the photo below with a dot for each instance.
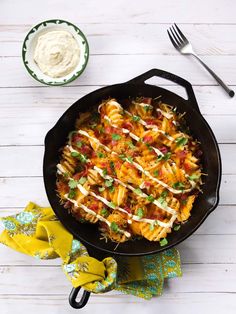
(123, 157)
(108, 183)
(82, 180)
(194, 177)
(130, 159)
(135, 118)
(150, 198)
(163, 242)
(79, 144)
(73, 184)
(104, 172)
(164, 194)
(100, 155)
(101, 189)
(149, 147)
(151, 227)
(74, 154)
(138, 191)
(131, 145)
(114, 227)
(156, 172)
(71, 193)
(146, 108)
(116, 137)
(177, 227)
(178, 185)
(181, 141)
(164, 157)
(82, 158)
(112, 205)
(140, 213)
(112, 189)
(104, 212)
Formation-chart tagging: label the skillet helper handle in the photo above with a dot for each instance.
(171, 77)
(83, 301)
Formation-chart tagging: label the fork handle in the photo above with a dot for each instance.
(229, 91)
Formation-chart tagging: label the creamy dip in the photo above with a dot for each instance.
(57, 53)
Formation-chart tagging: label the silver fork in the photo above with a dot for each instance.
(181, 43)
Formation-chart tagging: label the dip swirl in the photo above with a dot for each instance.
(57, 53)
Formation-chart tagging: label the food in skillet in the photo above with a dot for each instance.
(133, 170)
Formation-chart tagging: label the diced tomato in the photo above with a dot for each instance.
(187, 167)
(108, 129)
(85, 149)
(114, 143)
(94, 206)
(118, 165)
(148, 139)
(147, 100)
(150, 121)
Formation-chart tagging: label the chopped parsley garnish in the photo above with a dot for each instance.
(178, 185)
(79, 144)
(156, 172)
(73, 184)
(140, 213)
(82, 180)
(149, 147)
(177, 227)
(135, 118)
(116, 137)
(104, 212)
(112, 205)
(162, 199)
(150, 198)
(114, 227)
(138, 191)
(108, 183)
(100, 155)
(194, 177)
(101, 189)
(104, 172)
(112, 166)
(181, 141)
(71, 193)
(130, 159)
(164, 194)
(163, 242)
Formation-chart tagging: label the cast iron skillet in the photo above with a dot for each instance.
(205, 203)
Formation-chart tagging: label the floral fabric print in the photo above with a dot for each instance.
(37, 232)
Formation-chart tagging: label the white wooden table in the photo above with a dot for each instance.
(126, 38)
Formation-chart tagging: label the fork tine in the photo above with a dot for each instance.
(178, 36)
(176, 39)
(181, 34)
(172, 40)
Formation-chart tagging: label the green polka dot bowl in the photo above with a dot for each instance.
(30, 43)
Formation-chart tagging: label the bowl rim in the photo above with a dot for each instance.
(54, 21)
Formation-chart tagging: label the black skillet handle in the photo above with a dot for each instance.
(83, 301)
(171, 77)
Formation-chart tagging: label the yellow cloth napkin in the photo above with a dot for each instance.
(36, 231)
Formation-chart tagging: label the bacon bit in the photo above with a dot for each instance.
(127, 125)
(108, 129)
(163, 149)
(147, 184)
(148, 139)
(62, 187)
(76, 138)
(114, 143)
(128, 209)
(105, 141)
(96, 133)
(156, 215)
(147, 100)
(85, 149)
(150, 121)
(183, 197)
(67, 205)
(159, 115)
(182, 154)
(94, 206)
